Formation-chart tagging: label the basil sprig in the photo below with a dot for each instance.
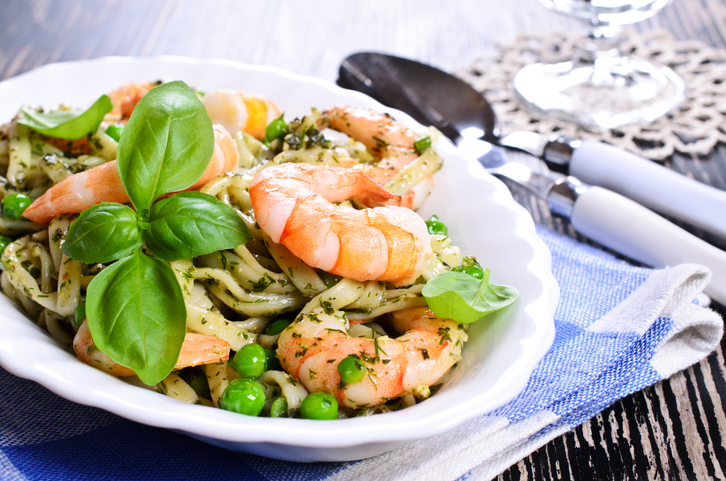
(68, 124)
(464, 298)
(134, 307)
(175, 155)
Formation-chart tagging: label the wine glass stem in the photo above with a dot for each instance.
(603, 42)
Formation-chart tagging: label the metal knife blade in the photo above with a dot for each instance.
(496, 161)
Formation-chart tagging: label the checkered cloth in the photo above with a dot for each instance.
(619, 329)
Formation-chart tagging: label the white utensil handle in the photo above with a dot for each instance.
(651, 185)
(636, 232)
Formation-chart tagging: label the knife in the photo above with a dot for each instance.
(607, 218)
(436, 98)
(646, 182)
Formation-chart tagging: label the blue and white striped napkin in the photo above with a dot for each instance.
(619, 329)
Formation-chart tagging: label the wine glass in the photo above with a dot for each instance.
(600, 86)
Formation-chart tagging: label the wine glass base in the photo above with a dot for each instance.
(608, 93)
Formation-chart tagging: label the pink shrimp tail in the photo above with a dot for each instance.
(103, 183)
(79, 192)
(197, 349)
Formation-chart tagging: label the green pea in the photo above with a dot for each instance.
(276, 129)
(319, 406)
(4, 242)
(277, 327)
(80, 314)
(250, 361)
(273, 363)
(14, 205)
(422, 144)
(198, 381)
(278, 409)
(474, 271)
(351, 370)
(243, 396)
(436, 227)
(114, 131)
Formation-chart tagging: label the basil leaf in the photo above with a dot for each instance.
(166, 144)
(103, 233)
(68, 124)
(136, 314)
(191, 224)
(464, 298)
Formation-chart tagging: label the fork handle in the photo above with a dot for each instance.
(654, 186)
(630, 229)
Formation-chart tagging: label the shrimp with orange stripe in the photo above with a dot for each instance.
(239, 112)
(402, 169)
(103, 184)
(125, 98)
(294, 206)
(197, 349)
(312, 348)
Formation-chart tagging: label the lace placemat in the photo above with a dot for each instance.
(695, 128)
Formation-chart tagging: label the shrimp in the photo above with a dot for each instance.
(103, 183)
(311, 348)
(239, 112)
(74, 147)
(387, 139)
(293, 205)
(197, 349)
(124, 100)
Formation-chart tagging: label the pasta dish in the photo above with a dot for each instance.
(201, 245)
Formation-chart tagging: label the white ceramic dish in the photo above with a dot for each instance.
(483, 220)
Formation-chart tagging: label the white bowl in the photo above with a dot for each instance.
(483, 220)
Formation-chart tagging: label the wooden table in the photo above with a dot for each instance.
(673, 430)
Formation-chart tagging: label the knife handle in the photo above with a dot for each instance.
(652, 185)
(636, 232)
